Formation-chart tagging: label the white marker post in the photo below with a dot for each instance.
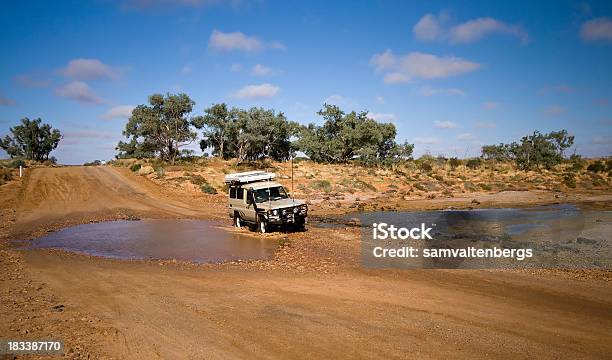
(20, 170)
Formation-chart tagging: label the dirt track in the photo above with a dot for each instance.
(183, 311)
(54, 197)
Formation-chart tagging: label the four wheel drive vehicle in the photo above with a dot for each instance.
(255, 199)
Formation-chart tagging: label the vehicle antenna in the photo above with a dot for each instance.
(292, 192)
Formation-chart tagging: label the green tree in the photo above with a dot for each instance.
(499, 152)
(31, 140)
(251, 134)
(347, 136)
(219, 130)
(161, 128)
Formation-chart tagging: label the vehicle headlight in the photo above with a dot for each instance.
(274, 212)
(284, 211)
(295, 210)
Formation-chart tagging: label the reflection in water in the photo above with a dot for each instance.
(188, 240)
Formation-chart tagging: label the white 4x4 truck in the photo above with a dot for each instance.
(255, 199)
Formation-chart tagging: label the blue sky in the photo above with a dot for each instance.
(451, 76)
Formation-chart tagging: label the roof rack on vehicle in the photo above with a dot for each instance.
(248, 177)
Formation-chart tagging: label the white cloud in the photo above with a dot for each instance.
(232, 41)
(79, 91)
(474, 30)
(236, 67)
(186, 70)
(118, 112)
(429, 28)
(257, 91)
(277, 45)
(445, 124)
(6, 101)
(485, 125)
(260, 70)
(380, 99)
(466, 137)
(334, 100)
(89, 69)
(431, 91)
(382, 117)
(597, 29)
(490, 105)
(419, 65)
(554, 110)
(426, 140)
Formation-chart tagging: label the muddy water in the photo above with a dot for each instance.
(186, 240)
(560, 236)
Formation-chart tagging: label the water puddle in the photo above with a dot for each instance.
(560, 236)
(187, 240)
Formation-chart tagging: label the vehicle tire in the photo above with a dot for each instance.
(237, 220)
(262, 225)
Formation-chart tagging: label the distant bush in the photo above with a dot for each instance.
(609, 164)
(597, 166)
(16, 164)
(576, 162)
(160, 172)
(485, 187)
(425, 166)
(321, 185)
(454, 163)
(196, 179)
(534, 151)
(208, 189)
(135, 167)
(93, 163)
(473, 163)
(50, 161)
(5, 176)
(569, 179)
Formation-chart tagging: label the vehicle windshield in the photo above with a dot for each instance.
(276, 193)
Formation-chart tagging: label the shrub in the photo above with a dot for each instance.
(609, 164)
(135, 167)
(577, 162)
(425, 166)
(16, 164)
(93, 163)
(208, 189)
(364, 185)
(569, 179)
(485, 187)
(454, 163)
(5, 176)
(438, 177)
(473, 163)
(196, 179)
(597, 166)
(469, 186)
(321, 185)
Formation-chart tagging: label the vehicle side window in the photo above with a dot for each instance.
(232, 192)
(240, 194)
